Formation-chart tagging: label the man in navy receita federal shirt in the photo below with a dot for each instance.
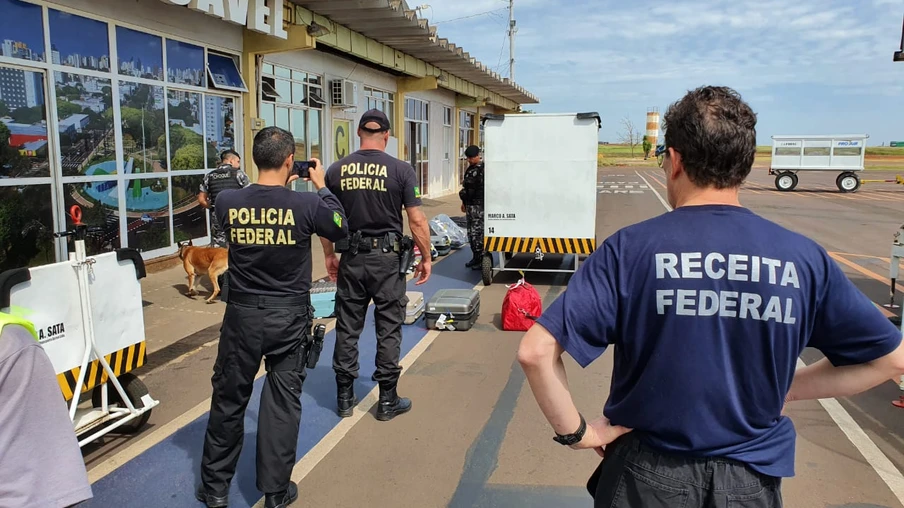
(708, 308)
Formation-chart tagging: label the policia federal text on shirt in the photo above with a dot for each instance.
(373, 187)
(268, 314)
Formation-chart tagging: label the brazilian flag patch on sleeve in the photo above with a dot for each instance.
(417, 192)
(337, 219)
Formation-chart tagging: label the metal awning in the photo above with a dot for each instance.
(393, 23)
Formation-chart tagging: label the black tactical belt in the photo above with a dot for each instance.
(268, 302)
(357, 243)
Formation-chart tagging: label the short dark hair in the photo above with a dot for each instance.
(714, 130)
(272, 146)
(227, 153)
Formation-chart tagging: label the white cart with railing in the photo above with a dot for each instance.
(844, 154)
(88, 315)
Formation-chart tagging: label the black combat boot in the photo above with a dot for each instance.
(391, 405)
(474, 262)
(282, 499)
(345, 398)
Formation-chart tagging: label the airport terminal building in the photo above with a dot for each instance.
(121, 107)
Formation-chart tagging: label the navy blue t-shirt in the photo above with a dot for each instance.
(708, 308)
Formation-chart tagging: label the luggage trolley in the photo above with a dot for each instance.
(845, 154)
(540, 192)
(88, 315)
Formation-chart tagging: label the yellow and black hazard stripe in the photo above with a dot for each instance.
(546, 245)
(122, 361)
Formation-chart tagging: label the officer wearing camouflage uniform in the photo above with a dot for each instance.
(471, 196)
(226, 176)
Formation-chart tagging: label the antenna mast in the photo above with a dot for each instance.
(512, 30)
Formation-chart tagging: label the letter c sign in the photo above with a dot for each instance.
(340, 139)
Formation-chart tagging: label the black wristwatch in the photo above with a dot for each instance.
(570, 439)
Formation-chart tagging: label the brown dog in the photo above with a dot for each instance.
(198, 261)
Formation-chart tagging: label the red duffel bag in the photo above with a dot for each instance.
(521, 307)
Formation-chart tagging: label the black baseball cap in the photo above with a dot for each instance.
(472, 151)
(376, 116)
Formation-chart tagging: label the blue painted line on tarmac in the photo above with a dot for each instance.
(167, 474)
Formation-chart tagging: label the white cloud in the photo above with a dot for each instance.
(647, 52)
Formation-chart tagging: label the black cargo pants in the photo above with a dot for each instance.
(634, 475)
(255, 327)
(363, 277)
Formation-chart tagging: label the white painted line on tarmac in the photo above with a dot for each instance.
(166, 430)
(873, 455)
(112, 463)
(326, 444)
(658, 195)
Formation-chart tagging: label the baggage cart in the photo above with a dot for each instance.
(88, 313)
(540, 192)
(843, 153)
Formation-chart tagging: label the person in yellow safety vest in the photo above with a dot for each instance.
(41, 464)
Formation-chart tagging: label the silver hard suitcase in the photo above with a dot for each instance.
(453, 309)
(415, 308)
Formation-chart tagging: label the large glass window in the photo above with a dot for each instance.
(186, 135)
(189, 219)
(417, 141)
(143, 127)
(79, 42)
(140, 55)
(85, 111)
(219, 119)
(147, 213)
(293, 100)
(185, 63)
(133, 164)
(26, 226)
(99, 202)
(380, 100)
(23, 124)
(22, 27)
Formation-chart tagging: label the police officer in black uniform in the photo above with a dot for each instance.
(472, 195)
(373, 187)
(268, 314)
(226, 176)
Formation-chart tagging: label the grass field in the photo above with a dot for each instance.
(878, 158)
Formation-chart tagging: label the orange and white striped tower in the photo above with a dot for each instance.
(653, 126)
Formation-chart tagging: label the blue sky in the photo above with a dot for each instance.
(73, 34)
(22, 22)
(139, 46)
(806, 67)
(181, 55)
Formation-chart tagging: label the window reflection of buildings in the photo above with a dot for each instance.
(20, 89)
(19, 49)
(87, 133)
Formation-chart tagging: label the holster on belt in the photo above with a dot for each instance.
(406, 253)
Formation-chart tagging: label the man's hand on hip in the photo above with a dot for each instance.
(599, 434)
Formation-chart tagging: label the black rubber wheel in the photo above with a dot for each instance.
(486, 267)
(135, 389)
(786, 181)
(848, 182)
